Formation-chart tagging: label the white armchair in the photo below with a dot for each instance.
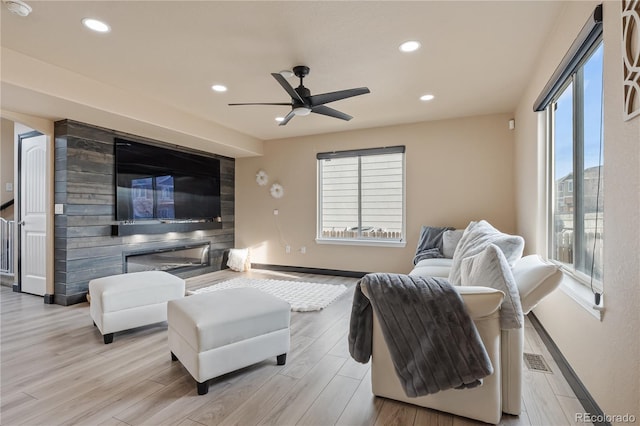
(481, 403)
(500, 392)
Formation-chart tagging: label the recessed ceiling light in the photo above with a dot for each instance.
(219, 88)
(95, 25)
(426, 97)
(410, 46)
(18, 7)
(279, 119)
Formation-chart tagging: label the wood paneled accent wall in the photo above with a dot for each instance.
(84, 185)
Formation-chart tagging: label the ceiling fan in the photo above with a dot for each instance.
(303, 103)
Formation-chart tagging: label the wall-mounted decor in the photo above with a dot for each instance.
(262, 178)
(277, 191)
(631, 57)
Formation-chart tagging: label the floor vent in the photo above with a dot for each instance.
(536, 362)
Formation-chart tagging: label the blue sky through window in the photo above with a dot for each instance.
(593, 109)
(563, 141)
(592, 119)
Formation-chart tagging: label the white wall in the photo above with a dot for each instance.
(6, 164)
(605, 354)
(456, 171)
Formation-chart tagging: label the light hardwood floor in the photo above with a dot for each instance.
(55, 369)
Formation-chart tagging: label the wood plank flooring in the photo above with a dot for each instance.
(55, 370)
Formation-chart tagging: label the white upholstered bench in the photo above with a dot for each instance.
(122, 302)
(219, 332)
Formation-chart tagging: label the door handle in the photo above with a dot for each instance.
(21, 223)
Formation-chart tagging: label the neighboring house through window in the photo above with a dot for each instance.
(361, 196)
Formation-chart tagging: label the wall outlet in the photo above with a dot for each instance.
(287, 249)
(58, 208)
(8, 187)
(303, 250)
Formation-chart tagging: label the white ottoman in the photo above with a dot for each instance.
(121, 302)
(219, 332)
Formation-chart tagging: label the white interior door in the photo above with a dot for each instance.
(33, 197)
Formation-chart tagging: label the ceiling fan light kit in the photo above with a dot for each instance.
(303, 103)
(286, 73)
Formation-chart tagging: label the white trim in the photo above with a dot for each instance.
(573, 287)
(321, 237)
(318, 198)
(362, 242)
(404, 200)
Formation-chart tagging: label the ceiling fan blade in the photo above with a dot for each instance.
(325, 98)
(265, 103)
(325, 110)
(286, 86)
(287, 118)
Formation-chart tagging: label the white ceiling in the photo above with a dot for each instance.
(476, 56)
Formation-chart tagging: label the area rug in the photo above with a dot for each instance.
(302, 296)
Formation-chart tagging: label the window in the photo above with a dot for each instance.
(576, 164)
(361, 196)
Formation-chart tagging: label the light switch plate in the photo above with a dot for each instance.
(58, 208)
(8, 187)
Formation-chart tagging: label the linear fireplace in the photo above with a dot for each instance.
(173, 259)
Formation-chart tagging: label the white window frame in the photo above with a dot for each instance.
(575, 284)
(577, 274)
(361, 241)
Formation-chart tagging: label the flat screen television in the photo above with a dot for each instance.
(154, 183)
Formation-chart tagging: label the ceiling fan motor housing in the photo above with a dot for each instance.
(303, 92)
(301, 71)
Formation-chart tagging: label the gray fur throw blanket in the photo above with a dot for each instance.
(430, 243)
(434, 344)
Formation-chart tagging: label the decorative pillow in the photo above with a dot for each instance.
(239, 260)
(476, 238)
(490, 269)
(450, 240)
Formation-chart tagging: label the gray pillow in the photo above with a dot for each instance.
(450, 240)
(490, 269)
(476, 238)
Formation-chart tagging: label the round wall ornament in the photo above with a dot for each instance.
(262, 178)
(277, 191)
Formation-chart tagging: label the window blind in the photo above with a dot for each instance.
(587, 39)
(361, 193)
